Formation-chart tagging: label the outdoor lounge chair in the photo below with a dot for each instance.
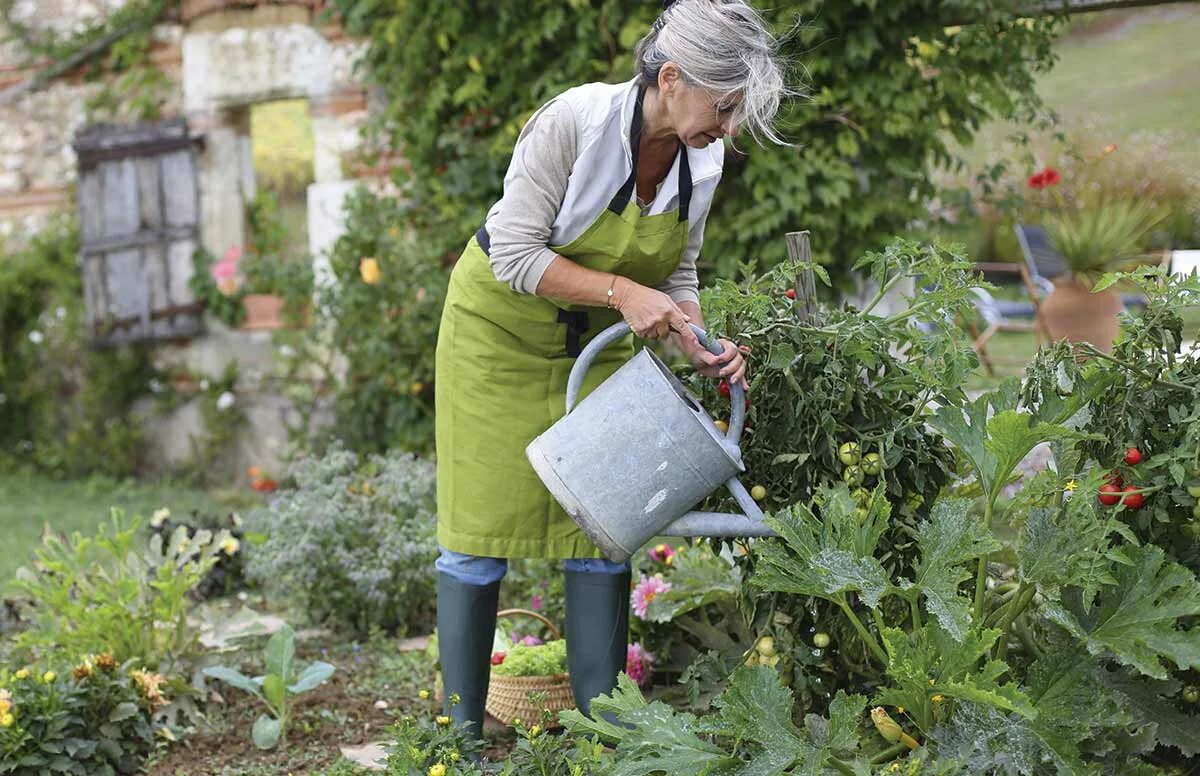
(1004, 315)
(1046, 263)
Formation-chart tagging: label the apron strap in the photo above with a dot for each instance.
(577, 326)
(621, 199)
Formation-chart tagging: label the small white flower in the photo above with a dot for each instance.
(60, 313)
(243, 596)
(156, 386)
(36, 337)
(237, 520)
(287, 351)
(225, 401)
(381, 704)
(159, 517)
(204, 383)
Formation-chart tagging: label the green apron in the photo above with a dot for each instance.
(503, 359)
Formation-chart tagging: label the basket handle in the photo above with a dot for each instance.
(528, 613)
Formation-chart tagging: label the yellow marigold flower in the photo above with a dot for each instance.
(437, 770)
(49, 677)
(455, 756)
(5, 706)
(83, 670)
(368, 268)
(443, 720)
(6, 720)
(150, 685)
(423, 695)
(938, 698)
(230, 546)
(106, 662)
(533, 731)
(22, 673)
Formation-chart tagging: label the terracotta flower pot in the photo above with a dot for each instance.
(1073, 312)
(263, 311)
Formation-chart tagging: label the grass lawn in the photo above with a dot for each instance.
(30, 501)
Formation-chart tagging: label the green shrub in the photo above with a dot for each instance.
(116, 593)
(92, 720)
(64, 406)
(350, 541)
(384, 328)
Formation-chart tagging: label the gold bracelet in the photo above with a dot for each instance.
(609, 302)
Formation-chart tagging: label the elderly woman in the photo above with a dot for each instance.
(602, 218)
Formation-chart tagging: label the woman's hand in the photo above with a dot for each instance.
(730, 365)
(649, 312)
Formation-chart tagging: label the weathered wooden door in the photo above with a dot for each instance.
(139, 212)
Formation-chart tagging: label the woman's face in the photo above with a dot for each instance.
(698, 116)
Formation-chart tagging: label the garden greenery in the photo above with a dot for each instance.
(889, 84)
(350, 541)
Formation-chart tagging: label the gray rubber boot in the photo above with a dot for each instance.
(597, 633)
(466, 625)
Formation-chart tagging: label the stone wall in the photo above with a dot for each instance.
(222, 58)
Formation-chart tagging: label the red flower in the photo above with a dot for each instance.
(498, 658)
(1050, 176)
(1037, 181)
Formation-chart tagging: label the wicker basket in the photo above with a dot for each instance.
(508, 696)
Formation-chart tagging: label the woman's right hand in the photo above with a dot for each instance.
(649, 312)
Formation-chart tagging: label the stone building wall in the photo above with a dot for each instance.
(222, 57)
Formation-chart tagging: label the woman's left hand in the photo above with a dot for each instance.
(730, 365)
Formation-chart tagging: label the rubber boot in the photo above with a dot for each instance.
(466, 625)
(597, 633)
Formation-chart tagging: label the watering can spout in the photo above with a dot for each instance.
(750, 523)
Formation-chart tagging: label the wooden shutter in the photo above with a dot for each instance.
(139, 214)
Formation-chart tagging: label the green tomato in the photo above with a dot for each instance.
(758, 493)
(820, 640)
(852, 476)
(1196, 510)
(1194, 490)
(862, 497)
(849, 453)
(872, 464)
(1191, 694)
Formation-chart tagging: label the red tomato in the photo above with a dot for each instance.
(791, 293)
(1133, 500)
(1133, 456)
(1110, 494)
(723, 388)
(498, 658)
(1114, 478)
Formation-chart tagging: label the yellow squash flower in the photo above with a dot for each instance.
(437, 770)
(368, 268)
(6, 720)
(890, 729)
(230, 546)
(423, 695)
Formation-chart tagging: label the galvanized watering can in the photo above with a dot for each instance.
(639, 452)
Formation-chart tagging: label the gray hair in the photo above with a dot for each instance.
(723, 46)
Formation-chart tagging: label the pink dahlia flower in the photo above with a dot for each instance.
(645, 591)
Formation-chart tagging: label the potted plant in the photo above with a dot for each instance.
(1094, 234)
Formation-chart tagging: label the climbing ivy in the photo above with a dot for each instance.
(114, 48)
(890, 85)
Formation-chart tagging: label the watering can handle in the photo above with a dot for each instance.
(615, 332)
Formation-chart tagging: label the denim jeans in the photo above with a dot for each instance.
(476, 570)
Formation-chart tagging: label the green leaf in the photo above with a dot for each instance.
(266, 732)
(281, 651)
(699, 577)
(1150, 704)
(949, 538)
(756, 707)
(1072, 706)
(930, 662)
(275, 693)
(311, 677)
(1138, 619)
(123, 711)
(825, 556)
(235, 678)
(625, 697)
(664, 742)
